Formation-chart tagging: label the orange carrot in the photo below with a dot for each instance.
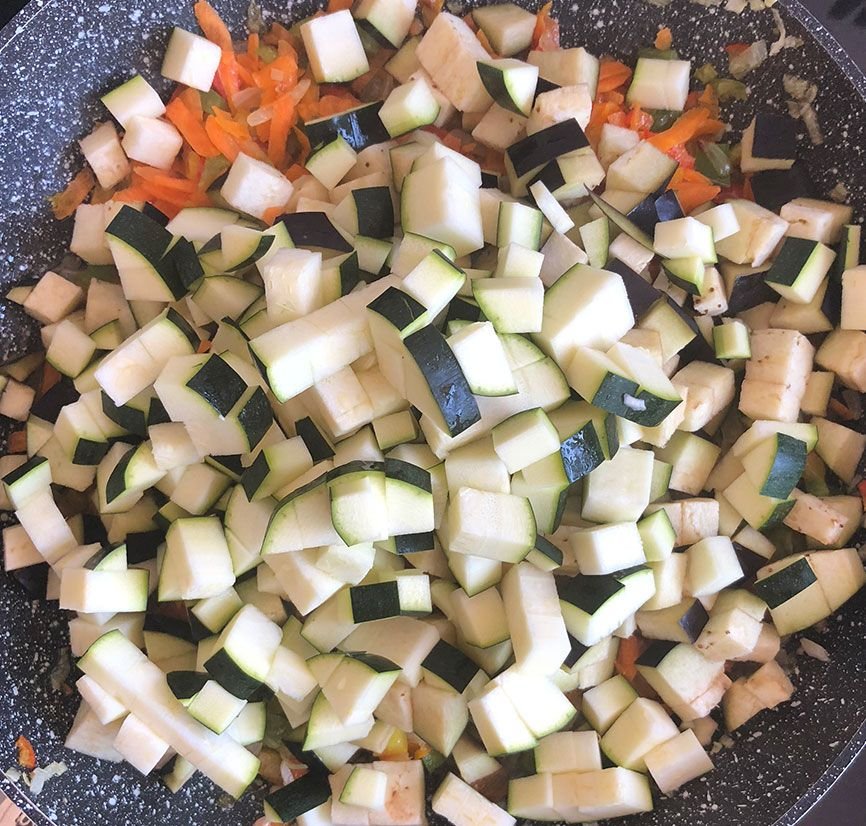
(100, 195)
(452, 142)
(333, 104)
(174, 197)
(338, 5)
(282, 121)
(228, 74)
(734, 49)
(545, 36)
(130, 195)
(171, 210)
(482, 39)
(664, 39)
(684, 129)
(638, 120)
(192, 164)
(191, 128)
(156, 177)
(692, 196)
(65, 203)
(619, 119)
(295, 171)
(26, 753)
(224, 142)
(17, 442)
(629, 650)
(192, 101)
(212, 25)
(684, 176)
(304, 143)
(612, 74)
(50, 377)
(271, 215)
(253, 46)
(236, 128)
(430, 10)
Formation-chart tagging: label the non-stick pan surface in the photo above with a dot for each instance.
(55, 60)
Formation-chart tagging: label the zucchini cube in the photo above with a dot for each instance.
(191, 60)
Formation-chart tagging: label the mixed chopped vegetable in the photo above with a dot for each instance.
(427, 405)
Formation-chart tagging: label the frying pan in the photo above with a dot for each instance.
(55, 60)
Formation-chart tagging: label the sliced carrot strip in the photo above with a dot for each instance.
(334, 104)
(612, 74)
(26, 753)
(692, 196)
(191, 128)
(212, 25)
(253, 46)
(228, 124)
(488, 47)
(17, 442)
(545, 36)
(304, 143)
(192, 101)
(155, 177)
(130, 195)
(295, 171)
(228, 75)
(283, 120)
(65, 203)
(271, 215)
(225, 143)
(169, 209)
(684, 129)
(50, 377)
(664, 39)
(338, 5)
(626, 657)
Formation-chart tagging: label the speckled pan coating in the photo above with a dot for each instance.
(55, 59)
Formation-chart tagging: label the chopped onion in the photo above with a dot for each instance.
(300, 90)
(12, 774)
(247, 98)
(799, 89)
(785, 41)
(41, 776)
(812, 649)
(839, 194)
(632, 403)
(750, 59)
(803, 94)
(736, 6)
(810, 119)
(260, 116)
